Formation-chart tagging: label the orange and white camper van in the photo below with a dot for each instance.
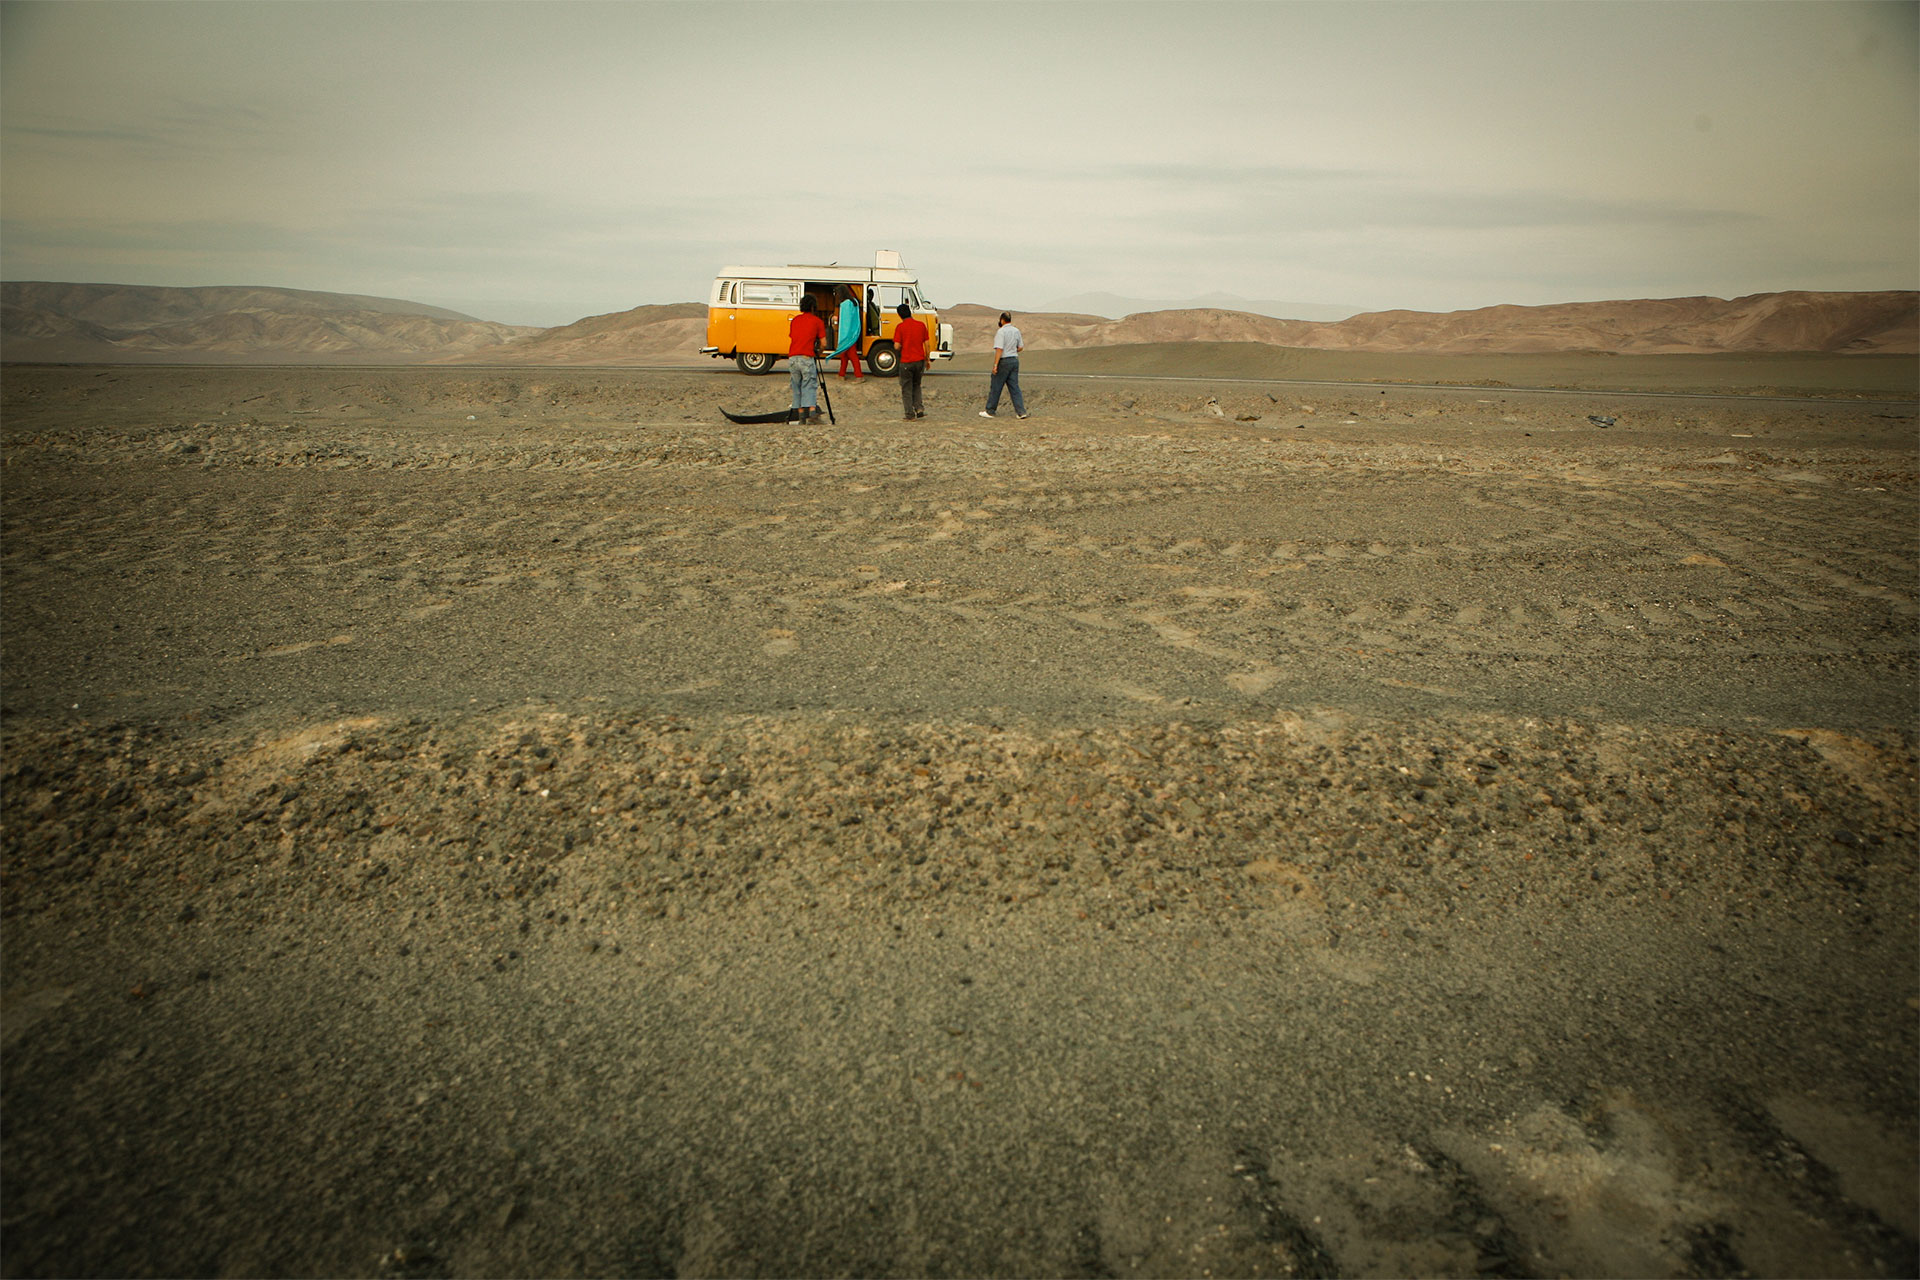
(750, 308)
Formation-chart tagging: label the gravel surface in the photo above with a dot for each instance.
(515, 822)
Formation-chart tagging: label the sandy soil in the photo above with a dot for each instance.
(514, 822)
(1806, 373)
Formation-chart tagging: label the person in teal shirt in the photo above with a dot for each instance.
(847, 334)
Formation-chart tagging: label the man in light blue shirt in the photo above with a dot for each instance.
(1006, 369)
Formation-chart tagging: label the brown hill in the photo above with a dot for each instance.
(58, 322)
(1833, 322)
(84, 323)
(974, 326)
(1769, 322)
(1887, 322)
(672, 333)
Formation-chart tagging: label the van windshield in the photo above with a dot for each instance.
(889, 296)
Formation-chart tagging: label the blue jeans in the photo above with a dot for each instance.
(803, 375)
(1006, 374)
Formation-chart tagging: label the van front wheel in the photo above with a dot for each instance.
(754, 362)
(883, 359)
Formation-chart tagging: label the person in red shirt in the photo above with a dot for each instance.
(805, 333)
(911, 337)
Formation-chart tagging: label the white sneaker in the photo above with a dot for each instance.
(1021, 416)
(985, 414)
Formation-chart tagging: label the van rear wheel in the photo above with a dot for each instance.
(884, 359)
(754, 361)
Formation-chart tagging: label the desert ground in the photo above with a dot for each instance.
(513, 822)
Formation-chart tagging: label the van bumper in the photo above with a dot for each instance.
(710, 351)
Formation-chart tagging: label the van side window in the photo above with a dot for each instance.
(769, 293)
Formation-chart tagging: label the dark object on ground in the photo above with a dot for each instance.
(784, 415)
(1599, 421)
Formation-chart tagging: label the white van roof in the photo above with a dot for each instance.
(822, 274)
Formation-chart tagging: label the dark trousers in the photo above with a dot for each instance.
(1006, 375)
(910, 372)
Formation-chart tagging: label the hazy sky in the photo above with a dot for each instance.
(539, 162)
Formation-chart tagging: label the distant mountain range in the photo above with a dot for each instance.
(1858, 323)
(94, 323)
(229, 324)
(672, 333)
(1115, 307)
